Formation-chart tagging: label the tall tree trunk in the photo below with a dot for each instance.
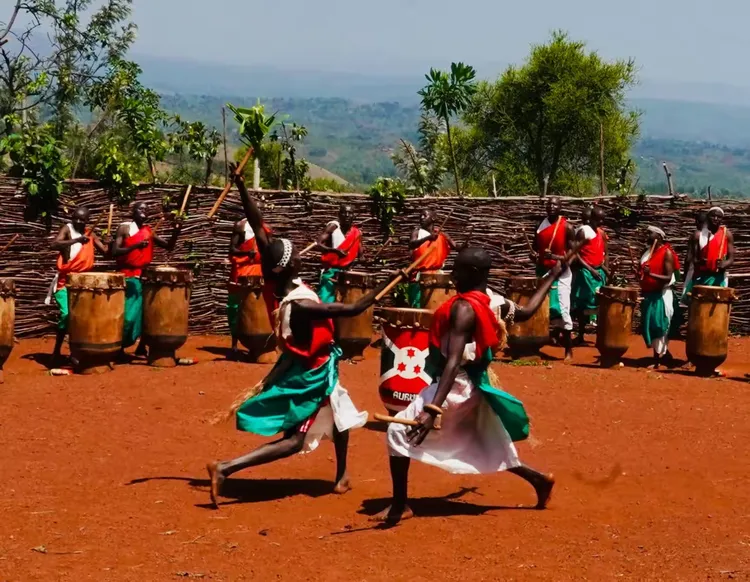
(417, 173)
(209, 167)
(256, 174)
(453, 156)
(294, 168)
(278, 170)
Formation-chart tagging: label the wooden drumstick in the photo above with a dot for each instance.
(153, 230)
(185, 199)
(228, 187)
(723, 243)
(528, 243)
(10, 242)
(404, 421)
(382, 248)
(308, 248)
(554, 233)
(404, 273)
(109, 221)
(96, 223)
(442, 226)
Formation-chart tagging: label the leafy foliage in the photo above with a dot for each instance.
(194, 138)
(115, 171)
(424, 168)
(388, 196)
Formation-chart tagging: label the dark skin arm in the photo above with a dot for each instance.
(605, 265)
(119, 249)
(526, 312)
(729, 261)
(169, 244)
(63, 241)
(668, 270)
(417, 242)
(580, 241)
(252, 212)
(570, 236)
(324, 242)
(101, 247)
(312, 310)
(238, 235)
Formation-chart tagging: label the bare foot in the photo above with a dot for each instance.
(392, 515)
(344, 485)
(544, 491)
(216, 478)
(568, 359)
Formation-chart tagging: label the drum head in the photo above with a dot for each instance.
(405, 317)
(167, 276)
(96, 281)
(356, 279)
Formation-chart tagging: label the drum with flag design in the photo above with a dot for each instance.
(406, 344)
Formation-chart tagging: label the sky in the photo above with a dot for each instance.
(671, 40)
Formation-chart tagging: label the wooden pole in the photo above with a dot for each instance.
(226, 155)
(10, 242)
(528, 243)
(405, 273)
(185, 199)
(382, 248)
(554, 233)
(669, 178)
(109, 220)
(228, 187)
(601, 159)
(308, 248)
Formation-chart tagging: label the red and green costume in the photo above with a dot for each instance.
(350, 243)
(438, 250)
(131, 265)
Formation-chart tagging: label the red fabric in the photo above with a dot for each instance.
(247, 266)
(714, 252)
(402, 365)
(656, 266)
(82, 262)
(350, 244)
(319, 348)
(558, 246)
(437, 258)
(486, 326)
(592, 250)
(131, 265)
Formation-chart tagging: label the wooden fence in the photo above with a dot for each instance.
(498, 224)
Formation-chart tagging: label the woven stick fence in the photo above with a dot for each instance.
(498, 224)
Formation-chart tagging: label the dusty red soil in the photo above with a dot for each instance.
(107, 474)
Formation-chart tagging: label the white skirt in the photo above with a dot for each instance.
(472, 439)
(339, 410)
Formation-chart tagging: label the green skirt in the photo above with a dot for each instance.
(414, 295)
(233, 312)
(710, 279)
(133, 311)
(654, 320)
(61, 298)
(585, 288)
(291, 399)
(327, 286)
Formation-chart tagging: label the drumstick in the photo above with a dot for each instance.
(403, 274)
(442, 226)
(382, 248)
(96, 223)
(228, 187)
(308, 248)
(528, 243)
(632, 258)
(404, 421)
(554, 234)
(723, 243)
(311, 246)
(10, 242)
(158, 224)
(109, 222)
(185, 199)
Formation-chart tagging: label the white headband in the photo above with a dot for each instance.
(657, 230)
(716, 209)
(287, 255)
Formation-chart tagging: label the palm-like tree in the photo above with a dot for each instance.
(447, 94)
(254, 126)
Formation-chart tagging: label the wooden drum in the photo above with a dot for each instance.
(7, 320)
(708, 327)
(166, 303)
(406, 344)
(614, 323)
(527, 338)
(437, 288)
(254, 329)
(96, 304)
(354, 334)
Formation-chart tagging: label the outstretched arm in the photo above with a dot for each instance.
(527, 311)
(102, 248)
(169, 244)
(451, 242)
(323, 244)
(313, 310)
(252, 212)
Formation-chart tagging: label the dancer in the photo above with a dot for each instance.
(713, 252)
(593, 259)
(656, 274)
(341, 245)
(76, 249)
(479, 422)
(423, 239)
(301, 397)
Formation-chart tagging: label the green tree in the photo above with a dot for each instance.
(194, 138)
(254, 127)
(424, 168)
(448, 94)
(542, 120)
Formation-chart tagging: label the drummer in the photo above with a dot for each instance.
(301, 398)
(133, 250)
(656, 274)
(715, 252)
(245, 260)
(700, 222)
(76, 249)
(424, 238)
(555, 236)
(341, 245)
(592, 261)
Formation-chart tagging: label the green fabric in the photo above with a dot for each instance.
(133, 311)
(654, 320)
(508, 408)
(327, 287)
(292, 398)
(585, 288)
(554, 295)
(61, 298)
(414, 294)
(233, 311)
(710, 279)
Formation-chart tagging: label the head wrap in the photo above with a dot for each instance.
(657, 230)
(287, 254)
(717, 210)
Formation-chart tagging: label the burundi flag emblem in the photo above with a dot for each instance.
(402, 366)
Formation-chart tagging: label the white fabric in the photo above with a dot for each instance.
(248, 230)
(545, 223)
(588, 232)
(717, 210)
(564, 291)
(704, 238)
(496, 303)
(472, 439)
(337, 236)
(340, 411)
(132, 227)
(423, 233)
(657, 230)
(74, 250)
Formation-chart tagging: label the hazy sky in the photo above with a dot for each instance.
(680, 40)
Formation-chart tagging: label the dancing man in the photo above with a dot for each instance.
(341, 245)
(133, 250)
(479, 423)
(426, 237)
(657, 278)
(555, 236)
(76, 248)
(714, 252)
(593, 258)
(301, 397)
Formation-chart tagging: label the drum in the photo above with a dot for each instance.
(354, 334)
(436, 287)
(527, 338)
(406, 344)
(254, 329)
(166, 303)
(7, 320)
(96, 305)
(708, 327)
(614, 323)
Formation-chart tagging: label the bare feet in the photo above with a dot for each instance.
(343, 485)
(393, 515)
(544, 491)
(568, 359)
(216, 478)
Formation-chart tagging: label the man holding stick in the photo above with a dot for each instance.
(76, 247)
(301, 398)
(133, 250)
(341, 245)
(690, 257)
(714, 252)
(593, 258)
(478, 422)
(430, 239)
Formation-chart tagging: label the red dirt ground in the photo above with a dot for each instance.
(107, 474)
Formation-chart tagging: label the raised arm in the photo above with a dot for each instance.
(169, 244)
(323, 244)
(729, 261)
(313, 310)
(451, 242)
(252, 212)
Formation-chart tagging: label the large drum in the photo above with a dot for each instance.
(527, 338)
(96, 305)
(7, 320)
(354, 334)
(254, 328)
(406, 344)
(614, 323)
(166, 303)
(436, 287)
(708, 327)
